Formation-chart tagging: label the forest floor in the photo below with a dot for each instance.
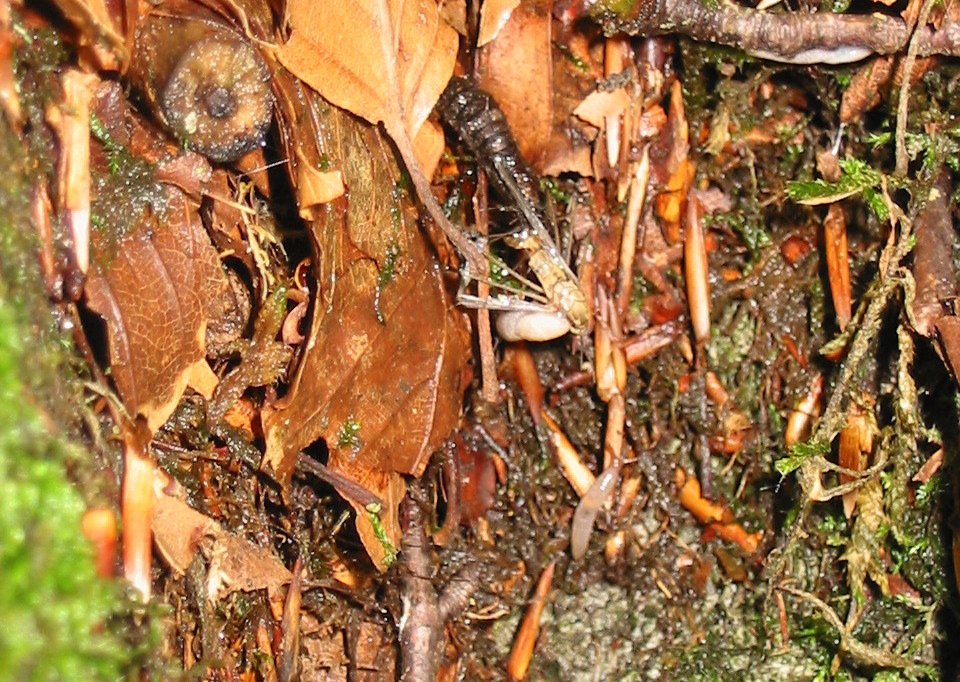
(643, 369)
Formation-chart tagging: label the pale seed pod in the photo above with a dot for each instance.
(696, 268)
(525, 325)
(801, 418)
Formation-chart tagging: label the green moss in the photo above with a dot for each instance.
(622, 9)
(573, 59)
(56, 614)
(857, 178)
(122, 195)
(348, 436)
(389, 551)
(799, 453)
(388, 271)
(52, 605)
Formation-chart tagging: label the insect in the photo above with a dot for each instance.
(481, 125)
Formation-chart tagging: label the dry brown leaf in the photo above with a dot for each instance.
(374, 262)
(601, 104)
(234, 563)
(569, 158)
(838, 263)
(538, 99)
(933, 268)
(96, 33)
(386, 61)
(935, 275)
(525, 95)
(316, 187)
(855, 443)
(398, 382)
(151, 293)
(177, 531)
(948, 331)
(865, 90)
(494, 15)
(454, 13)
(155, 276)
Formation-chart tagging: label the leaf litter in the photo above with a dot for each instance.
(277, 341)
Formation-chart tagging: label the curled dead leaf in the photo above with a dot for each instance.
(600, 105)
(386, 61)
(494, 15)
(152, 296)
(385, 328)
(234, 562)
(316, 187)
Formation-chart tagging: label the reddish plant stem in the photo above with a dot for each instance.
(451, 483)
(490, 384)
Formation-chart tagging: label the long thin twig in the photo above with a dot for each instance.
(490, 385)
(903, 160)
(790, 37)
(344, 485)
(861, 653)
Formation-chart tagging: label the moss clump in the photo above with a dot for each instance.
(54, 610)
(52, 605)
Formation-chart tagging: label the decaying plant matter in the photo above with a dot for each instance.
(714, 426)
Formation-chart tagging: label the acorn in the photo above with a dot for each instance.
(208, 85)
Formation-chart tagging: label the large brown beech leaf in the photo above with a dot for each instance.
(525, 95)
(151, 290)
(936, 275)
(386, 61)
(386, 349)
(538, 99)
